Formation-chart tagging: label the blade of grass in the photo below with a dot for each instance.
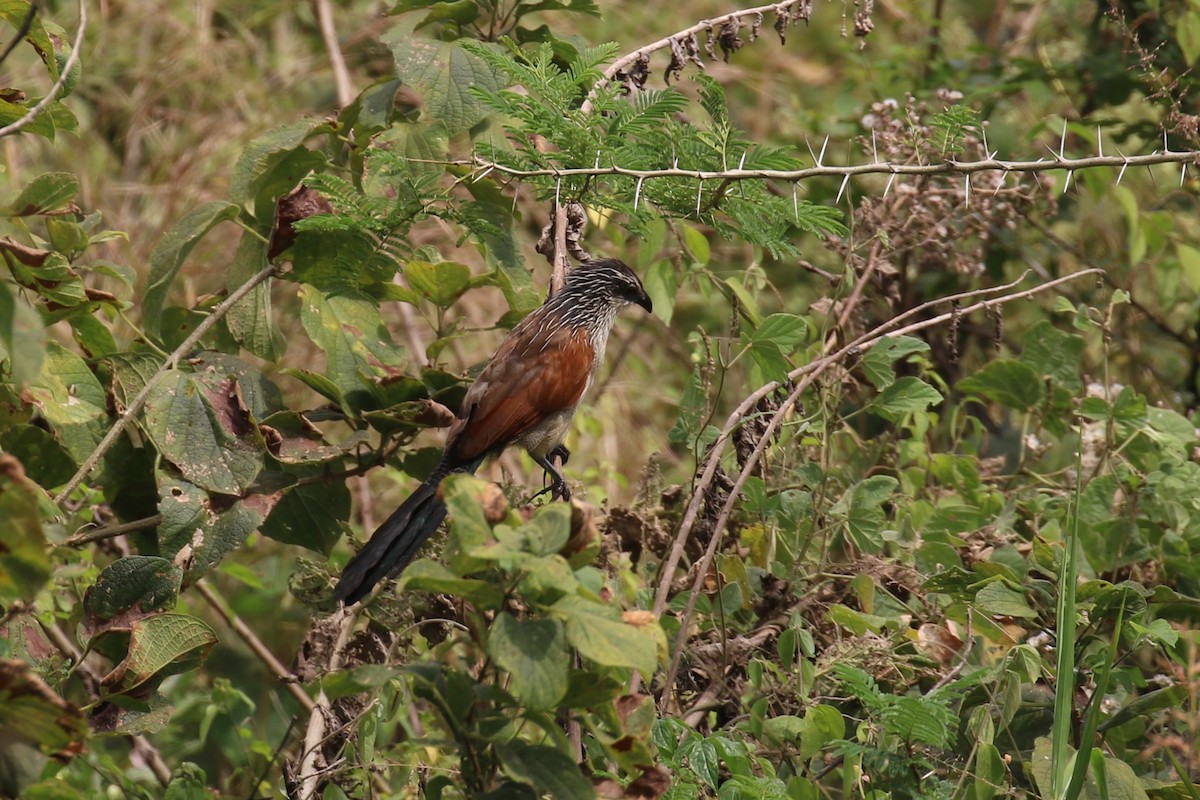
(1091, 720)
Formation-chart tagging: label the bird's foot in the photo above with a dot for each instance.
(561, 453)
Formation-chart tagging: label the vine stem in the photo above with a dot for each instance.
(806, 375)
(64, 75)
(139, 401)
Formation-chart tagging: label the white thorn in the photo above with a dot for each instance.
(516, 194)
(1165, 148)
(888, 188)
(1003, 177)
(597, 160)
(845, 181)
(796, 202)
(874, 148)
(1182, 173)
(1121, 174)
(637, 193)
(986, 149)
(1067, 182)
(967, 197)
(1100, 141)
(742, 163)
(1062, 144)
(484, 174)
(821, 158)
(808, 144)
(1057, 157)
(699, 194)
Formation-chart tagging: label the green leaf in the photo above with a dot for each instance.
(51, 191)
(696, 243)
(534, 652)
(595, 632)
(991, 775)
(24, 566)
(878, 363)
(34, 715)
(252, 320)
(206, 528)
(444, 74)
(205, 432)
(23, 337)
(661, 285)
(351, 332)
(905, 396)
(72, 401)
(170, 254)
(430, 576)
(441, 283)
(148, 582)
(46, 461)
(311, 516)
(785, 331)
(546, 769)
(996, 599)
(1008, 382)
(1054, 353)
(274, 163)
(822, 724)
(161, 645)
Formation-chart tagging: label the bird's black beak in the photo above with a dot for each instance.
(644, 302)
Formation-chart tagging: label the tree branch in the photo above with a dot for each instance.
(64, 74)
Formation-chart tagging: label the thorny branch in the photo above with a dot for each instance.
(949, 167)
(804, 376)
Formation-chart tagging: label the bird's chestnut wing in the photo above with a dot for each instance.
(538, 370)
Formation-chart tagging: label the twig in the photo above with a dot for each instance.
(111, 531)
(310, 773)
(805, 376)
(26, 24)
(628, 59)
(341, 76)
(951, 167)
(172, 361)
(255, 644)
(64, 74)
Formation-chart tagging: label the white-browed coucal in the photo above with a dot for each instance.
(526, 395)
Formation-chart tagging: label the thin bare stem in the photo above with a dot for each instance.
(64, 74)
(139, 401)
(112, 531)
(341, 75)
(310, 771)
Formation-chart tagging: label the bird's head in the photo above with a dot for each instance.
(611, 279)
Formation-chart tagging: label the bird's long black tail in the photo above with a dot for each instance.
(395, 543)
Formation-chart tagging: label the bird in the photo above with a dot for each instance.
(525, 395)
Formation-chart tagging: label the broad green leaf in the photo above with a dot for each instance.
(312, 516)
(351, 332)
(359, 679)
(205, 529)
(24, 566)
(696, 243)
(991, 775)
(148, 582)
(662, 287)
(22, 336)
(430, 576)
(252, 321)
(443, 73)
(72, 401)
(46, 462)
(188, 782)
(996, 599)
(534, 652)
(15, 13)
(33, 714)
(274, 163)
(547, 769)
(206, 434)
(1054, 353)
(441, 283)
(48, 192)
(822, 724)
(865, 519)
(785, 331)
(549, 530)
(161, 645)
(878, 363)
(42, 124)
(1008, 382)
(170, 254)
(598, 635)
(905, 396)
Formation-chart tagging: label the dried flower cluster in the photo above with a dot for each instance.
(935, 223)
(685, 48)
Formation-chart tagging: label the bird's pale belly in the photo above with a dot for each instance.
(547, 434)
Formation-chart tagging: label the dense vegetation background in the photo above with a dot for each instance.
(896, 496)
